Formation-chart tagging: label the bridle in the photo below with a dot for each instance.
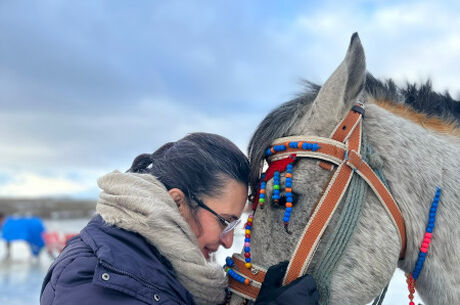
(340, 154)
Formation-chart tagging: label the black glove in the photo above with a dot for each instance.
(301, 291)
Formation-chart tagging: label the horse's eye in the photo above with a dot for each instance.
(282, 201)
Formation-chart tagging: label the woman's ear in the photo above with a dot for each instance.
(179, 198)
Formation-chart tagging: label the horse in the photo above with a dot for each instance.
(413, 153)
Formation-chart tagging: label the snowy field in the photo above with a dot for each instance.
(21, 276)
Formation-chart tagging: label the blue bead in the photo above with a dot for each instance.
(247, 259)
(293, 144)
(432, 214)
(433, 210)
(247, 249)
(247, 240)
(229, 261)
(263, 184)
(262, 196)
(290, 166)
(305, 146)
(289, 199)
(315, 146)
(288, 209)
(429, 230)
(286, 219)
(282, 147)
(434, 205)
(268, 152)
(288, 194)
(288, 184)
(248, 227)
(421, 254)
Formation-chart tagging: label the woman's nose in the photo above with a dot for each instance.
(227, 240)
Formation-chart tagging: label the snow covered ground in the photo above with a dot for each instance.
(22, 275)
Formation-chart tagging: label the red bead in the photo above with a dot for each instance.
(424, 250)
(428, 234)
(427, 240)
(425, 245)
(411, 303)
(248, 235)
(247, 255)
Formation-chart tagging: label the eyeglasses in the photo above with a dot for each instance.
(229, 225)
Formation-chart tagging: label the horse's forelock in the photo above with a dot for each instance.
(275, 125)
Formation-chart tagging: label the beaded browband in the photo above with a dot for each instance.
(341, 150)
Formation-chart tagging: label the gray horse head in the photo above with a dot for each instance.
(372, 251)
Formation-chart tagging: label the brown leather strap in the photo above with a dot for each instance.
(331, 151)
(248, 292)
(343, 131)
(382, 193)
(318, 223)
(256, 274)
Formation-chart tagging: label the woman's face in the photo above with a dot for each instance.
(229, 203)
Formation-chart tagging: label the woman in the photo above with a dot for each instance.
(156, 227)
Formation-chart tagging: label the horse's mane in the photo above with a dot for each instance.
(418, 103)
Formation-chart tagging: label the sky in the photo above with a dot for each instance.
(86, 86)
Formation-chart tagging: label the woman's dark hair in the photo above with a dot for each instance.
(198, 164)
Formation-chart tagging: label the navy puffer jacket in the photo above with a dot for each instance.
(108, 265)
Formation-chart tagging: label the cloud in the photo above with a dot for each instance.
(25, 185)
(90, 85)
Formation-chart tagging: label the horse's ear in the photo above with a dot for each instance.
(345, 85)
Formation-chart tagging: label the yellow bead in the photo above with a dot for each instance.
(248, 231)
(248, 265)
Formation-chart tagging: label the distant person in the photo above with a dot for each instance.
(28, 229)
(156, 227)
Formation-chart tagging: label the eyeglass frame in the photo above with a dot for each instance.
(229, 226)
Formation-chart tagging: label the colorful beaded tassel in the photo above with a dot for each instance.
(411, 278)
(276, 187)
(262, 187)
(288, 193)
(247, 241)
(228, 268)
(294, 145)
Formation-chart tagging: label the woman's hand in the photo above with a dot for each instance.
(301, 291)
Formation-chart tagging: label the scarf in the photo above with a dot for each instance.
(140, 203)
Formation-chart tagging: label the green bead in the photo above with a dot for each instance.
(226, 269)
(261, 199)
(276, 187)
